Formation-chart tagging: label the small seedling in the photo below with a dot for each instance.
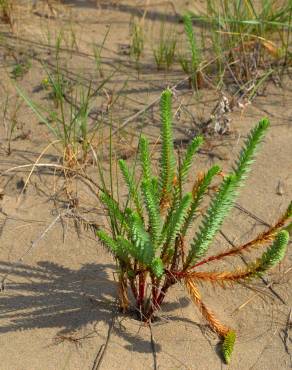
(150, 232)
(6, 14)
(10, 121)
(97, 54)
(164, 52)
(191, 66)
(137, 41)
(69, 122)
(20, 69)
(57, 86)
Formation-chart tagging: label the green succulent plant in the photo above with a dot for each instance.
(149, 234)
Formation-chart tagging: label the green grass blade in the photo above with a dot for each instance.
(35, 109)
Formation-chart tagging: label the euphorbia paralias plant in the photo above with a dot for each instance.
(150, 233)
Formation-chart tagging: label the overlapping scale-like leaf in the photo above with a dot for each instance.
(224, 199)
(167, 152)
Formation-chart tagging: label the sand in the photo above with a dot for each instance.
(58, 309)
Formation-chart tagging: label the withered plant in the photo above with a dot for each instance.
(149, 233)
(6, 12)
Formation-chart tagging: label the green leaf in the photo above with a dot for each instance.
(247, 154)
(224, 199)
(155, 188)
(188, 159)
(167, 152)
(212, 221)
(144, 250)
(228, 345)
(188, 25)
(288, 228)
(177, 219)
(145, 158)
(157, 267)
(107, 240)
(113, 245)
(132, 186)
(198, 196)
(115, 213)
(275, 253)
(289, 210)
(126, 248)
(152, 207)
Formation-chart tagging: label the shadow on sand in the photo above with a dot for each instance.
(49, 295)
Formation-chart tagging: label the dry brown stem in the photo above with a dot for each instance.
(215, 324)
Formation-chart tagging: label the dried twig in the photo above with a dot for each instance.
(102, 350)
(56, 167)
(153, 348)
(286, 334)
(32, 170)
(71, 339)
(251, 215)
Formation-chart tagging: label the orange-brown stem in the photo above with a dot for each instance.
(214, 323)
(168, 282)
(141, 291)
(123, 292)
(261, 239)
(222, 277)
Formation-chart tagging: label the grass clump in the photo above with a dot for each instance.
(20, 69)
(137, 41)
(164, 52)
(191, 65)
(149, 234)
(10, 121)
(249, 42)
(6, 12)
(69, 120)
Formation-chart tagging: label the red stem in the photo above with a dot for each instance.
(154, 291)
(169, 281)
(261, 238)
(212, 258)
(141, 290)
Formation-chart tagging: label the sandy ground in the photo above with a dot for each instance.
(58, 307)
